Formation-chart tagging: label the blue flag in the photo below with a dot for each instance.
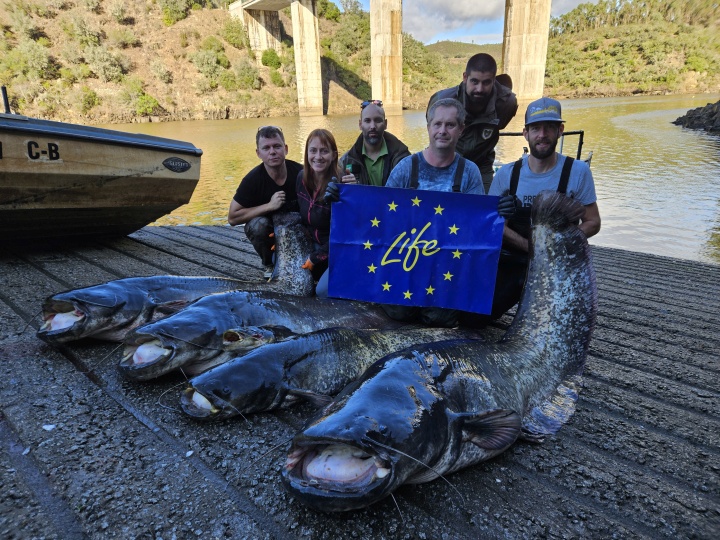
(415, 248)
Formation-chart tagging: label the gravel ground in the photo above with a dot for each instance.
(87, 454)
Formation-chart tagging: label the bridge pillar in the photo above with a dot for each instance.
(263, 28)
(386, 53)
(306, 40)
(525, 44)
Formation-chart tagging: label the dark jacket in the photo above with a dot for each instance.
(396, 151)
(315, 216)
(481, 133)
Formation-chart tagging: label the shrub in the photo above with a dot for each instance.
(145, 105)
(123, 39)
(328, 10)
(84, 33)
(211, 43)
(248, 76)
(161, 72)
(88, 99)
(276, 78)
(174, 10)
(234, 33)
(206, 63)
(228, 81)
(270, 59)
(117, 11)
(92, 5)
(106, 65)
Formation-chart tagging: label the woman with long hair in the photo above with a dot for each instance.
(320, 168)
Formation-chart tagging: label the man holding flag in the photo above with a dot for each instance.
(424, 258)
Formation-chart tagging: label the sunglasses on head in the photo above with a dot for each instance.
(269, 127)
(371, 102)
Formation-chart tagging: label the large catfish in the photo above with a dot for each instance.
(313, 366)
(196, 333)
(292, 248)
(433, 409)
(110, 310)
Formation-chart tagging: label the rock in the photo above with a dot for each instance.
(707, 118)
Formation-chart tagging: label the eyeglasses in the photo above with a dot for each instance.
(270, 128)
(371, 102)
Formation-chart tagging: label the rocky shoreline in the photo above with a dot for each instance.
(707, 118)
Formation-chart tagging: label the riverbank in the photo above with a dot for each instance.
(86, 454)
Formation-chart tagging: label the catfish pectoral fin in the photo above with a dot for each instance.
(530, 437)
(319, 400)
(492, 430)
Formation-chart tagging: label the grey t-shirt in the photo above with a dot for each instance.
(437, 178)
(580, 184)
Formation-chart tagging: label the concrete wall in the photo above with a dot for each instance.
(386, 53)
(525, 43)
(306, 38)
(263, 29)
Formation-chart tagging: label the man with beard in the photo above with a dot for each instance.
(263, 191)
(518, 183)
(489, 107)
(376, 151)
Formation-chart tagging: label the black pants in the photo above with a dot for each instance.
(259, 231)
(430, 316)
(512, 269)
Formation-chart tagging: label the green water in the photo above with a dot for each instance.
(658, 184)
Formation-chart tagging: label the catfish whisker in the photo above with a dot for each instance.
(190, 342)
(462, 499)
(272, 449)
(102, 360)
(32, 319)
(159, 402)
(402, 518)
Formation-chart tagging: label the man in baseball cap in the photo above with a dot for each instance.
(518, 183)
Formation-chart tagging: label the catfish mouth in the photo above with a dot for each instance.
(62, 319)
(198, 406)
(146, 352)
(336, 476)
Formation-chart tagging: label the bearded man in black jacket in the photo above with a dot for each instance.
(376, 152)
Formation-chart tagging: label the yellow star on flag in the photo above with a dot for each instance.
(375, 222)
(415, 201)
(392, 206)
(386, 286)
(454, 229)
(456, 254)
(430, 289)
(407, 295)
(372, 268)
(448, 276)
(439, 209)
(367, 244)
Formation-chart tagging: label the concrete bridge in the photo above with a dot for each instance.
(525, 40)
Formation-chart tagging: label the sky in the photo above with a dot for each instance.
(469, 21)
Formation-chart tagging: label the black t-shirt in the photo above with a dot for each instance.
(257, 187)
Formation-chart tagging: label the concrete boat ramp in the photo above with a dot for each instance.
(86, 454)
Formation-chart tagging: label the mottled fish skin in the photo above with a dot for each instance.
(188, 336)
(196, 352)
(315, 366)
(292, 248)
(109, 310)
(436, 408)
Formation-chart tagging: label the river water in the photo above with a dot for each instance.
(658, 184)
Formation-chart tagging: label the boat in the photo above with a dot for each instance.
(62, 181)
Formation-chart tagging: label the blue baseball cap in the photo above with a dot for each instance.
(543, 110)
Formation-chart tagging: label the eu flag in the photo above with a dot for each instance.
(415, 248)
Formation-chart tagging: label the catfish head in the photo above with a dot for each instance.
(395, 425)
(104, 311)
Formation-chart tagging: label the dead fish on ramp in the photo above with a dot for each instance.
(431, 410)
(188, 336)
(110, 310)
(313, 366)
(292, 248)
(197, 353)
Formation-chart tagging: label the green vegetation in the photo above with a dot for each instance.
(116, 60)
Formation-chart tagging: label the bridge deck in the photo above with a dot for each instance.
(86, 454)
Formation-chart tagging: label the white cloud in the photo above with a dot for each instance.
(426, 19)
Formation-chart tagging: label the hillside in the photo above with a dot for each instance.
(121, 61)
